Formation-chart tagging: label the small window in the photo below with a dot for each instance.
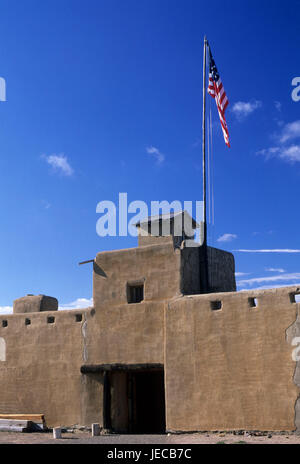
(50, 320)
(135, 293)
(4, 323)
(216, 305)
(27, 321)
(78, 317)
(252, 302)
(295, 297)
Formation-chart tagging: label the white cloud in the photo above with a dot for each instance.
(243, 109)
(268, 152)
(226, 238)
(272, 269)
(290, 131)
(279, 250)
(290, 154)
(240, 274)
(268, 287)
(80, 303)
(59, 163)
(6, 309)
(160, 157)
(277, 278)
(283, 150)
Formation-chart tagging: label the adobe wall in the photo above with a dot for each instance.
(156, 265)
(225, 369)
(124, 334)
(230, 368)
(40, 372)
(221, 270)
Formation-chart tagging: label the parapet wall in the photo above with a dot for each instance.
(41, 355)
(228, 362)
(40, 372)
(157, 266)
(227, 358)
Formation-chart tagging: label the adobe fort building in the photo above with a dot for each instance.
(169, 345)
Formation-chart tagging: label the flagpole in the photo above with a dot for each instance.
(204, 145)
(204, 268)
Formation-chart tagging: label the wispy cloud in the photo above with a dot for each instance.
(278, 105)
(290, 154)
(272, 269)
(268, 287)
(80, 303)
(156, 153)
(240, 274)
(292, 277)
(59, 163)
(276, 250)
(227, 238)
(285, 149)
(290, 131)
(243, 109)
(6, 309)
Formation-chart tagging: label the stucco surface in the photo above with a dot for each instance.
(158, 266)
(41, 374)
(225, 369)
(232, 368)
(129, 334)
(35, 303)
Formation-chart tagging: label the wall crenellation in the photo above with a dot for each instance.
(252, 299)
(48, 317)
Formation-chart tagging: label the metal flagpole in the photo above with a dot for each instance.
(204, 145)
(204, 279)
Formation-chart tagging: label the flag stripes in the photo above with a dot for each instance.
(217, 91)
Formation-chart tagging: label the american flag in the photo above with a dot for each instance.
(216, 90)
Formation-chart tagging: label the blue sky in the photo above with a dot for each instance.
(91, 85)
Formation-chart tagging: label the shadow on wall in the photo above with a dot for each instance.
(98, 270)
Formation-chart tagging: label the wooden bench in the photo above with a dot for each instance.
(22, 422)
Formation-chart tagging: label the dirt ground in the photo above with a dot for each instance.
(80, 437)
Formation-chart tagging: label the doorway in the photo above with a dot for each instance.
(138, 401)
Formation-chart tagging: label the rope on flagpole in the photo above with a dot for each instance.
(208, 175)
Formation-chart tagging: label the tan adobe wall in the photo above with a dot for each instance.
(129, 334)
(230, 368)
(124, 334)
(158, 266)
(41, 371)
(35, 304)
(153, 240)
